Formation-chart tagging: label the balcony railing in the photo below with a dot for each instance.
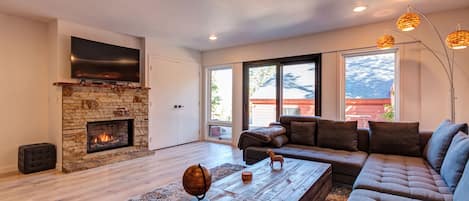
(362, 110)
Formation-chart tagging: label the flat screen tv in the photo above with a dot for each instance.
(99, 61)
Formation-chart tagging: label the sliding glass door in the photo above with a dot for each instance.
(262, 95)
(286, 86)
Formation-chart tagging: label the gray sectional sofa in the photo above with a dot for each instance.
(389, 161)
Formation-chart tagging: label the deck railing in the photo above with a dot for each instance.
(361, 110)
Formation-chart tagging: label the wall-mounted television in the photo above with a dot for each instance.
(91, 60)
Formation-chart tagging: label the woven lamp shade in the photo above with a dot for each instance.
(458, 39)
(385, 42)
(408, 21)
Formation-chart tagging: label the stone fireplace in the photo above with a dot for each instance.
(106, 135)
(103, 124)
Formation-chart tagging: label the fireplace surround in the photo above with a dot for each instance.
(103, 125)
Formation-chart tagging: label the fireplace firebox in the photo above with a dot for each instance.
(106, 135)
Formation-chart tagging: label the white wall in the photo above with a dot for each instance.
(159, 47)
(54, 95)
(424, 88)
(67, 29)
(23, 86)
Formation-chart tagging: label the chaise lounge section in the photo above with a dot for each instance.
(403, 176)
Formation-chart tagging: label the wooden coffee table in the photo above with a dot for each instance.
(298, 180)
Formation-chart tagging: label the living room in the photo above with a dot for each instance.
(347, 100)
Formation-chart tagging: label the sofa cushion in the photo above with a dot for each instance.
(285, 121)
(343, 162)
(462, 190)
(303, 133)
(338, 135)
(395, 138)
(363, 139)
(279, 141)
(405, 176)
(438, 144)
(367, 195)
(455, 160)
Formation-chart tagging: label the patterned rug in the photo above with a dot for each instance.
(175, 191)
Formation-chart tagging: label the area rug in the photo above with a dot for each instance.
(175, 192)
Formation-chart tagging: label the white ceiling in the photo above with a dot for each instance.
(236, 22)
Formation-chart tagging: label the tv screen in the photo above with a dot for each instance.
(100, 61)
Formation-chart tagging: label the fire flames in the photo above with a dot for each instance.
(102, 138)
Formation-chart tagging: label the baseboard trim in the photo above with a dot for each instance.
(219, 141)
(13, 169)
(8, 169)
(175, 145)
(58, 167)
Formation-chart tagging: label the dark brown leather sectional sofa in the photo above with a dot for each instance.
(375, 176)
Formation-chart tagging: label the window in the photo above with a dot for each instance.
(298, 85)
(370, 87)
(286, 86)
(220, 103)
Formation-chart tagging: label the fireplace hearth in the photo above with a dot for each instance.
(106, 135)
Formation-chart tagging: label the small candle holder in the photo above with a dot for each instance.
(246, 176)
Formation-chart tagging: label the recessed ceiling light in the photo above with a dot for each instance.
(360, 9)
(213, 37)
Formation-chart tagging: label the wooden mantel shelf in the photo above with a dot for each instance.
(99, 85)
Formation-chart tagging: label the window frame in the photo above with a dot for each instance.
(208, 119)
(365, 52)
(279, 63)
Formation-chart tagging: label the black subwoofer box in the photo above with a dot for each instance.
(36, 157)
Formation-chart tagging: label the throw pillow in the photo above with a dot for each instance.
(279, 141)
(438, 144)
(303, 133)
(399, 138)
(266, 134)
(461, 192)
(455, 160)
(338, 134)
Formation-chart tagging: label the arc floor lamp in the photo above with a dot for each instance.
(456, 40)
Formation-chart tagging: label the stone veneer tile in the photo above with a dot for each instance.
(82, 104)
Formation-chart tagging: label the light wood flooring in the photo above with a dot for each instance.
(117, 181)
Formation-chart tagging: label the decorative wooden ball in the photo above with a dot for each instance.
(197, 180)
(246, 176)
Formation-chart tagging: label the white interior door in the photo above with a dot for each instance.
(173, 83)
(189, 93)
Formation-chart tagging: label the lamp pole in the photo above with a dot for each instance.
(448, 69)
